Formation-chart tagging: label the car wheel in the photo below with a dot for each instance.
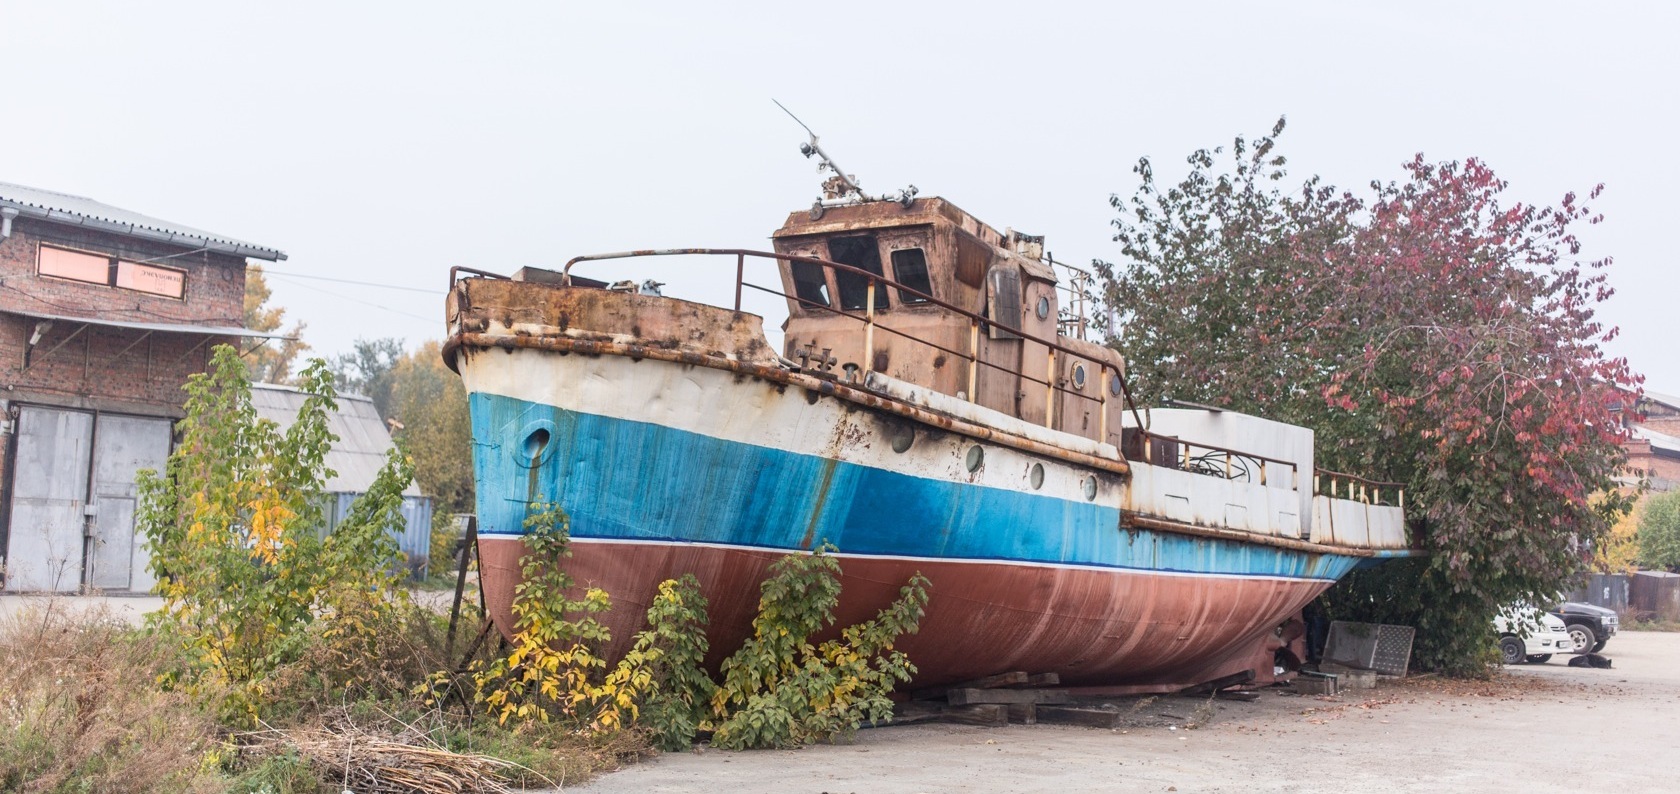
(1511, 651)
(1540, 658)
(1583, 637)
(1600, 646)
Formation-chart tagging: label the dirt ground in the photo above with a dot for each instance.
(1545, 727)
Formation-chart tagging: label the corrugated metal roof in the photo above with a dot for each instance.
(174, 328)
(1658, 440)
(82, 211)
(359, 452)
(1666, 399)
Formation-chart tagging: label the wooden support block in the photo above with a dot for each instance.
(961, 697)
(1234, 679)
(1245, 695)
(979, 714)
(1044, 679)
(1070, 715)
(989, 682)
(917, 711)
(1023, 713)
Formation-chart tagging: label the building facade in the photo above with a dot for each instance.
(104, 314)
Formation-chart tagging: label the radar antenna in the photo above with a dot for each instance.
(841, 189)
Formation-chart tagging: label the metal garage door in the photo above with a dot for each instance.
(59, 536)
(49, 494)
(122, 446)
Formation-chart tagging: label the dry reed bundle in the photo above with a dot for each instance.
(382, 763)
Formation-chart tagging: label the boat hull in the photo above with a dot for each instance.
(667, 468)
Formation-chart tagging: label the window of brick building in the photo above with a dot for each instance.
(110, 271)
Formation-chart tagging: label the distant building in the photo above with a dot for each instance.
(355, 460)
(104, 313)
(1653, 447)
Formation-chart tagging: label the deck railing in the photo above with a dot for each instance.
(1212, 460)
(1208, 459)
(1358, 489)
(871, 322)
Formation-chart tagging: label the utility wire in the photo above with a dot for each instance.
(351, 281)
(357, 300)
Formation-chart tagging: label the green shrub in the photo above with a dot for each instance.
(233, 525)
(779, 690)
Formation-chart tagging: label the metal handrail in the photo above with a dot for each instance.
(975, 320)
(1368, 489)
(1232, 457)
(1359, 488)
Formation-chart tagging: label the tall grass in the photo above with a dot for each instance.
(81, 710)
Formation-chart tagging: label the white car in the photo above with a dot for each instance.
(1529, 635)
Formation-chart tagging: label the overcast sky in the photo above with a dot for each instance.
(386, 142)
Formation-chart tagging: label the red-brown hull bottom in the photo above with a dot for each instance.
(1093, 627)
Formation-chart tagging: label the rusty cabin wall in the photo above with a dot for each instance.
(894, 354)
(961, 254)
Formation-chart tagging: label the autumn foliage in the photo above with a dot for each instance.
(1432, 331)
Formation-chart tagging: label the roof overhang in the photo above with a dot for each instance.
(161, 233)
(167, 328)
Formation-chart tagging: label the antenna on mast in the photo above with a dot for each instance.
(841, 189)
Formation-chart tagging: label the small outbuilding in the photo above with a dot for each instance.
(355, 459)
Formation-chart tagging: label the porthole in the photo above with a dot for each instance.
(902, 437)
(1036, 476)
(1079, 376)
(976, 457)
(1043, 307)
(533, 444)
(1090, 485)
(1114, 384)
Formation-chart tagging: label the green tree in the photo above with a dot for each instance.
(272, 361)
(366, 370)
(1659, 531)
(429, 403)
(1432, 333)
(234, 525)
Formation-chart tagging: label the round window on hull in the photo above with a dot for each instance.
(976, 458)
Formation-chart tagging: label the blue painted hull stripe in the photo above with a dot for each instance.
(621, 479)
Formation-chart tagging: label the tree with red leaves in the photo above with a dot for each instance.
(1431, 333)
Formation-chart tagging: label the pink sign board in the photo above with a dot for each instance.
(165, 281)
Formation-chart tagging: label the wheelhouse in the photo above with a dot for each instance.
(936, 270)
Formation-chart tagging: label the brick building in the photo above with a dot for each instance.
(104, 313)
(1653, 445)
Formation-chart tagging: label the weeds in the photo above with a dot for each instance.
(79, 711)
(779, 690)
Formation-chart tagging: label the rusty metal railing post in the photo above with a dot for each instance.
(869, 328)
(1050, 391)
(1102, 404)
(740, 276)
(973, 359)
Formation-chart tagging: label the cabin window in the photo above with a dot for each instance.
(863, 254)
(910, 270)
(809, 285)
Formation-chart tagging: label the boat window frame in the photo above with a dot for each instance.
(926, 287)
(824, 297)
(843, 278)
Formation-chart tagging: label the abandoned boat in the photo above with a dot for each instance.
(933, 408)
